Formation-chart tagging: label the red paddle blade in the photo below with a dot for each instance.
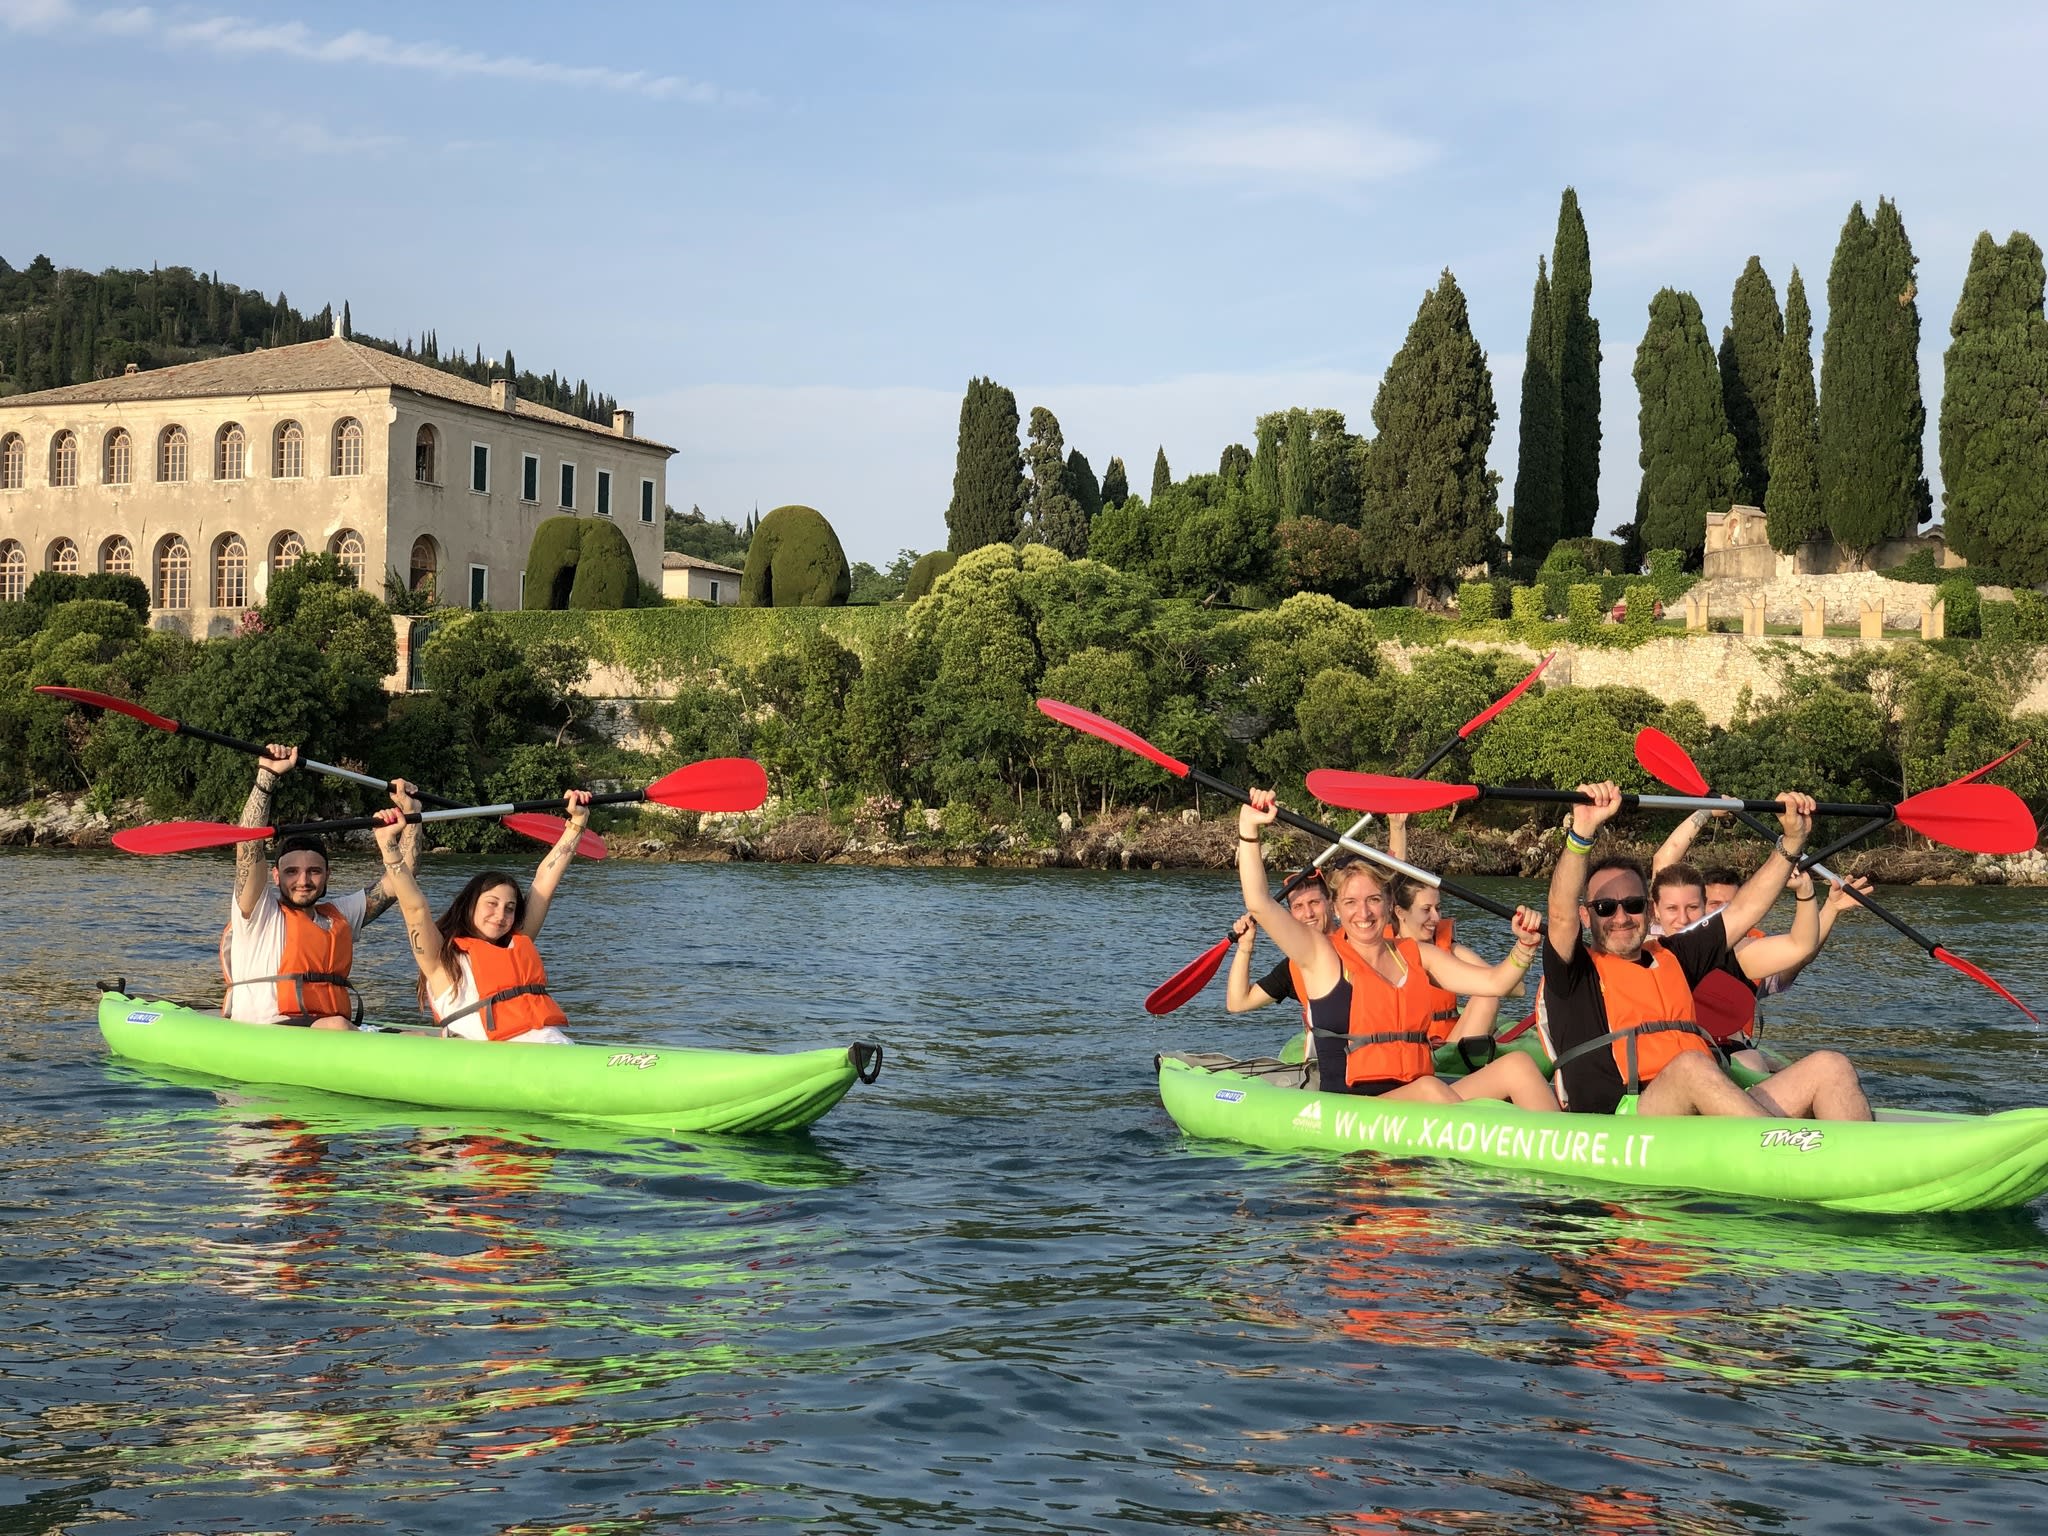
(1087, 720)
(1384, 794)
(548, 829)
(1957, 962)
(1506, 699)
(1968, 778)
(1519, 1030)
(1668, 763)
(716, 784)
(123, 707)
(1188, 980)
(185, 836)
(1977, 818)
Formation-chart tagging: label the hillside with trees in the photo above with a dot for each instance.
(61, 326)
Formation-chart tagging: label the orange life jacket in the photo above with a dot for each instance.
(312, 970)
(1443, 1003)
(1651, 1019)
(511, 988)
(1389, 1035)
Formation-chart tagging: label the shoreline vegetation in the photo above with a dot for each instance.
(1138, 838)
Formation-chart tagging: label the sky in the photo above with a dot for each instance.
(787, 235)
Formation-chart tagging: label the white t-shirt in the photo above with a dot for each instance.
(471, 1025)
(256, 948)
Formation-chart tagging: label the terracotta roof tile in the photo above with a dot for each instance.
(330, 363)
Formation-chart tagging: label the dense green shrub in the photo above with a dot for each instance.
(1586, 608)
(1577, 559)
(795, 562)
(582, 563)
(49, 588)
(551, 562)
(1641, 611)
(1527, 605)
(1475, 601)
(1961, 616)
(928, 569)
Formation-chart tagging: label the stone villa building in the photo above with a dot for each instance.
(204, 478)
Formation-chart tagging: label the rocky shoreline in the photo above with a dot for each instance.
(1139, 839)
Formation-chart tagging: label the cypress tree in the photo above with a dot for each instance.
(1792, 509)
(1994, 413)
(1081, 484)
(1297, 469)
(1688, 453)
(1539, 455)
(1055, 516)
(1429, 504)
(348, 325)
(1873, 486)
(1752, 345)
(988, 471)
(1162, 477)
(1116, 484)
(1234, 465)
(1575, 359)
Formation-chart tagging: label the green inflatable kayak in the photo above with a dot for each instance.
(652, 1088)
(1906, 1160)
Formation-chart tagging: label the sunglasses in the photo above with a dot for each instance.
(1607, 906)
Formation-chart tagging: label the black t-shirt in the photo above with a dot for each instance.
(1278, 983)
(1575, 1011)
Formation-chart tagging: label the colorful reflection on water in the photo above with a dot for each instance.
(995, 1292)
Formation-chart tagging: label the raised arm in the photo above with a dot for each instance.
(378, 895)
(1455, 974)
(1675, 847)
(1568, 880)
(1311, 951)
(429, 949)
(1397, 835)
(250, 871)
(1757, 896)
(555, 863)
(1786, 952)
(1240, 993)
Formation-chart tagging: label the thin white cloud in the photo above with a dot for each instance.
(238, 35)
(1273, 145)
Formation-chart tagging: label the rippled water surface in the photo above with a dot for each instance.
(995, 1292)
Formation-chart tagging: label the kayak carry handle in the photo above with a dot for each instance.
(866, 1059)
(118, 984)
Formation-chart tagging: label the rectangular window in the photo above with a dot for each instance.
(529, 477)
(569, 487)
(479, 585)
(646, 501)
(604, 493)
(714, 590)
(480, 468)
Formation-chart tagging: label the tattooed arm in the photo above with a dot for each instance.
(556, 863)
(378, 896)
(252, 870)
(429, 950)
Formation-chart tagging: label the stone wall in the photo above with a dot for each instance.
(1843, 594)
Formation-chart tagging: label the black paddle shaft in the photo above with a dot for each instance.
(1331, 835)
(453, 813)
(1816, 862)
(368, 781)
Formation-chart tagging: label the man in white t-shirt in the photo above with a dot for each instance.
(287, 949)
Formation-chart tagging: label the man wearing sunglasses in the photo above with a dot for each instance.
(1618, 1012)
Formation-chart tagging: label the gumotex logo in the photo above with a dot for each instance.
(1230, 1095)
(144, 1018)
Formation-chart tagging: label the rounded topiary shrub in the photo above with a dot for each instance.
(794, 561)
(928, 569)
(581, 562)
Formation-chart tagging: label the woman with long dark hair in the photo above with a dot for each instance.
(481, 977)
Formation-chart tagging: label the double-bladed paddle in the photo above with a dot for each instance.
(1189, 980)
(542, 829)
(716, 784)
(1810, 860)
(1669, 763)
(1977, 818)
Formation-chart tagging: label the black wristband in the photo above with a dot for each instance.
(1807, 897)
(1252, 839)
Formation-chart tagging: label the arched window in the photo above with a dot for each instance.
(64, 459)
(230, 572)
(13, 462)
(120, 456)
(117, 557)
(426, 563)
(173, 572)
(288, 461)
(349, 545)
(171, 453)
(230, 452)
(423, 456)
(13, 572)
(62, 558)
(348, 446)
(286, 551)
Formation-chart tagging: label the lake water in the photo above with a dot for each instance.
(995, 1292)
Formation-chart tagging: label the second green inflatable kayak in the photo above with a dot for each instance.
(1907, 1160)
(651, 1088)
